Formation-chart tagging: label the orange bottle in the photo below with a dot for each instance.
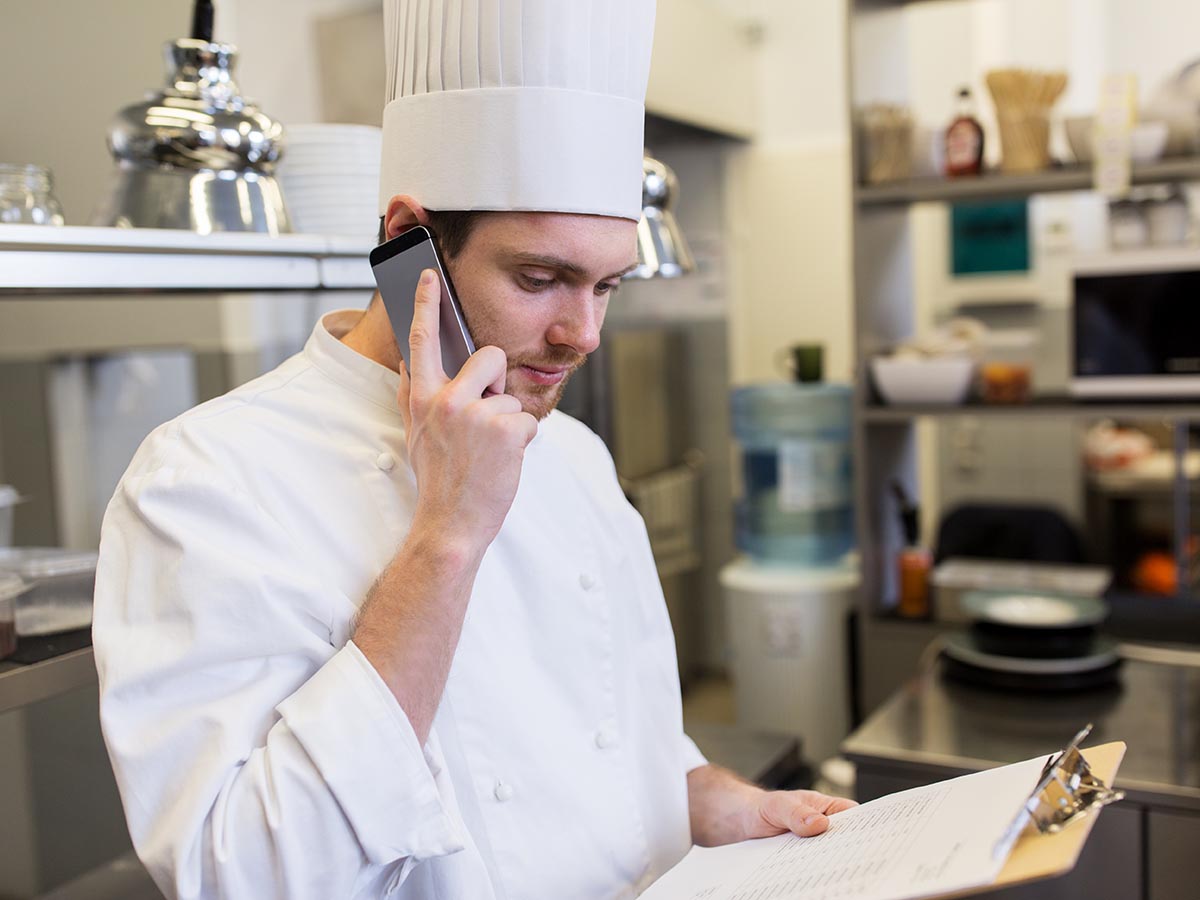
(913, 563)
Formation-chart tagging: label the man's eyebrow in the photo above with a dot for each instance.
(564, 265)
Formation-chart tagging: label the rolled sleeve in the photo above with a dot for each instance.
(345, 712)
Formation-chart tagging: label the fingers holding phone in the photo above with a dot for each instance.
(484, 371)
(466, 437)
(397, 266)
(424, 335)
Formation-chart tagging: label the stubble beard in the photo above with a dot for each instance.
(538, 400)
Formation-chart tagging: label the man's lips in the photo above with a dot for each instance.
(545, 375)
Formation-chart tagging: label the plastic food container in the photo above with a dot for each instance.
(9, 498)
(61, 584)
(1167, 219)
(1006, 374)
(1127, 226)
(956, 578)
(1005, 382)
(11, 587)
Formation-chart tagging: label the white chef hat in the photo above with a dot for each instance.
(516, 104)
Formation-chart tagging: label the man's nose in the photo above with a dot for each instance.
(578, 324)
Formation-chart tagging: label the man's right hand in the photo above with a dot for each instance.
(466, 449)
(466, 437)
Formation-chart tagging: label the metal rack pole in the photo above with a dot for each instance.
(1181, 501)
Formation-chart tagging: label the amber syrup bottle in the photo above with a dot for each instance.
(964, 139)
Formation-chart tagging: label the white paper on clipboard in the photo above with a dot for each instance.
(946, 837)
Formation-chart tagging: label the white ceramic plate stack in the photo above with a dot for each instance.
(330, 178)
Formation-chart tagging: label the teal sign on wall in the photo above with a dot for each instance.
(989, 237)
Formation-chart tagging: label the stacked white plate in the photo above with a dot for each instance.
(330, 178)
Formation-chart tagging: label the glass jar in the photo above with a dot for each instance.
(11, 587)
(1127, 228)
(26, 196)
(1167, 218)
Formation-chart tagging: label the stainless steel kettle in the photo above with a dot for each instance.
(196, 155)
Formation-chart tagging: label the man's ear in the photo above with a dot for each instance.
(403, 212)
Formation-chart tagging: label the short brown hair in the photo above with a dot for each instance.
(451, 227)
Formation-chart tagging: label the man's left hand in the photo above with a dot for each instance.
(725, 810)
(805, 813)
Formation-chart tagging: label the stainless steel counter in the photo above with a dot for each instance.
(21, 685)
(949, 728)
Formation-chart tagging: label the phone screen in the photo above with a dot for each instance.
(398, 265)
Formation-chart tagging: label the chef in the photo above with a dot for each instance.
(364, 631)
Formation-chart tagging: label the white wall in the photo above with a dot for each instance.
(1151, 38)
(67, 67)
(277, 40)
(791, 270)
(790, 195)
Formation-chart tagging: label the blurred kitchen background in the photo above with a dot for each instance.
(912, 425)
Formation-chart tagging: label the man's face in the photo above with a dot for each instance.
(537, 286)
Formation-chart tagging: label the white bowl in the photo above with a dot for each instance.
(1148, 140)
(942, 381)
(1079, 136)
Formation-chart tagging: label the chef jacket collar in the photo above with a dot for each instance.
(352, 370)
(348, 367)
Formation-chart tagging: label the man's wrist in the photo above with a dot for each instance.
(447, 543)
(720, 805)
(411, 620)
(440, 548)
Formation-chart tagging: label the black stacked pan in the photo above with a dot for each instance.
(1033, 643)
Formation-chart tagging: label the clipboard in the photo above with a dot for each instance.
(1036, 857)
(876, 854)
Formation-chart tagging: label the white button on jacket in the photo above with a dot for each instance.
(257, 751)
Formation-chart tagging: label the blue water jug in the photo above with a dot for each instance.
(798, 499)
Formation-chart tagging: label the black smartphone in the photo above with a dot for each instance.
(398, 265)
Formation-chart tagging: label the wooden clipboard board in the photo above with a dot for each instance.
(1040, 856)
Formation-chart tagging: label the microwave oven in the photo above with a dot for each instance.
(1136, 327)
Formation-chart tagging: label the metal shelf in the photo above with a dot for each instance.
(1058, 407)
(996, 186)
(124, 877)
(94, 261)
(21, 685)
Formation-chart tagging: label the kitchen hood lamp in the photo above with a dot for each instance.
(196, 154)
(662, 251)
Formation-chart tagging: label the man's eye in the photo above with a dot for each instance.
(607, 287)
(535, 284)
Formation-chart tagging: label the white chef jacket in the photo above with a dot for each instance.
(260, 755)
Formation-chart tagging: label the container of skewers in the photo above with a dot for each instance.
(1023, 99)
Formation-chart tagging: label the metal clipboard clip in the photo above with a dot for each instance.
(1066, 790)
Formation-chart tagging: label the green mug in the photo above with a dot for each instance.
(802, 362)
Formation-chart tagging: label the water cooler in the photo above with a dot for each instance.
(788, 599)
